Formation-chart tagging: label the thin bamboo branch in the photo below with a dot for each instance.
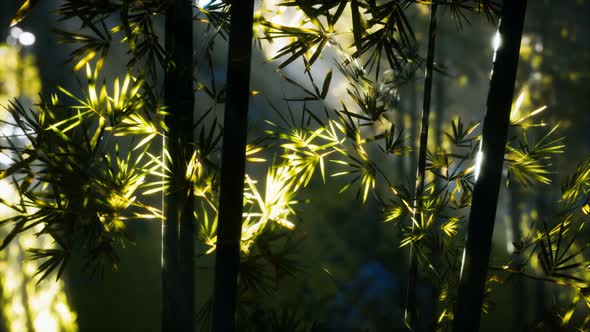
(411, 311)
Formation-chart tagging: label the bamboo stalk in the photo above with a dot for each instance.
(233, 166)
(486, 190)
(411, 311)
(440, 95)
(178, 228)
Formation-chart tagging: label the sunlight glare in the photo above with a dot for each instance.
(282, 16)
(46, 322)
(4, 159)
(497, 41)
(26, 39)
(478, 162)
(15, 32)
(462, 264)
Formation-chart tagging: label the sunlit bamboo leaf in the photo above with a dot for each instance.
(23, 11)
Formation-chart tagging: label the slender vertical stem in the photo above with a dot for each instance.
(413, 95)
(486, 190)
(440, 94)
(439, 107)
(403, 111)
(233, 166)
(410, 312)
(178, 229)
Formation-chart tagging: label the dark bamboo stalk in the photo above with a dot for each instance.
(486, 190)
(410, 312)
(440, 95)
(233, 166)
(178, 229)
(399, 116)
(413, 116)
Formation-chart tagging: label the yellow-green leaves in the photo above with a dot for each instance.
(78, 170)
(577, 186)
(207, 232)
(393, 213)
(23, 11)
(530, 161)
(194, 169)
(90, 47)
(304, 155)
(308, 41)
(252, 150)
(261, 207)
(450, 228)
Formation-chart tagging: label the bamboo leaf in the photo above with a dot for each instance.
(326, 85)
(23, 11)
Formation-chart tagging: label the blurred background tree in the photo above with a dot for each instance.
(26, 305)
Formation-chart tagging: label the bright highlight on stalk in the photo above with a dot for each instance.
(497, 41)
(462, 264)
(478, 161)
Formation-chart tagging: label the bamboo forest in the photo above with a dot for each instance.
(294, 165)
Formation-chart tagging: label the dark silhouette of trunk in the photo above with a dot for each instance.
(485, 192)
(178, 228)
(411, 312)
(233, 166)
